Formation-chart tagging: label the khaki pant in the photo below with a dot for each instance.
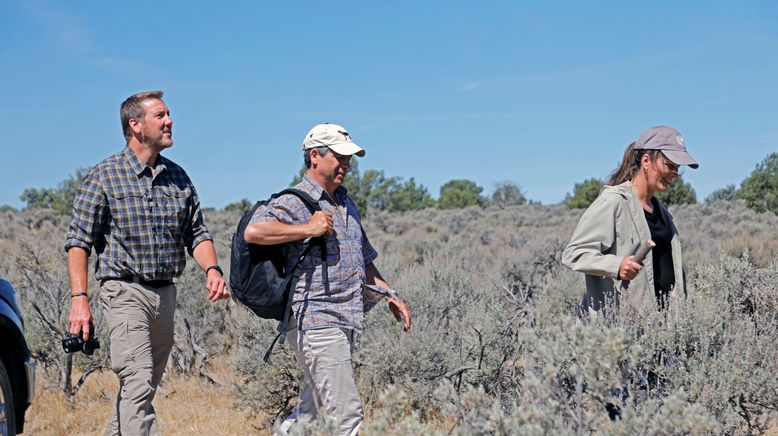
(329, 389)
(140, 325)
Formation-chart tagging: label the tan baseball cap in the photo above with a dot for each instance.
(669, 141)
(333, 136)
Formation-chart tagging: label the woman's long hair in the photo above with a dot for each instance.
(630, 164)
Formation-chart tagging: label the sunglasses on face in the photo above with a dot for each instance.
(342, 159)
(671, 167)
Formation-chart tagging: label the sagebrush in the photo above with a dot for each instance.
(497, 344)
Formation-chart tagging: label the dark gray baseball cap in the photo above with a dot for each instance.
(669, 141)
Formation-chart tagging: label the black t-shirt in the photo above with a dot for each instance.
(661, 234)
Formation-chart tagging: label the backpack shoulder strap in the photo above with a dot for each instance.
(313, 206)
(310, 203)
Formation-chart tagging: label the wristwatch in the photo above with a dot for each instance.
(216, 267)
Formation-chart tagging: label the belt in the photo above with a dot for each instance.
(151, 283)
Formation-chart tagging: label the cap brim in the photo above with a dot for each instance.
(347, 148)
(679, 158)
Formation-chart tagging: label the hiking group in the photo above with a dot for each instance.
(303, 258)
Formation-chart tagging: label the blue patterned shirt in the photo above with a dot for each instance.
(348, 252)
(139, 223)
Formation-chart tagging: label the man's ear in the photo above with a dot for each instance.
(135, 125)
(315, 156)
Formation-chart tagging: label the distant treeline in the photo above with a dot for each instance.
(759, 190)
(374, 191)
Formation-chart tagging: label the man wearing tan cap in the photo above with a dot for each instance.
(327, 312)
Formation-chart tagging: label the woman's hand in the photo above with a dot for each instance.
(629, 269)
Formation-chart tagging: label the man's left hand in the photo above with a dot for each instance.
(401, 312)
(217, 288)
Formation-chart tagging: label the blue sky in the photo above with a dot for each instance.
(543, 95)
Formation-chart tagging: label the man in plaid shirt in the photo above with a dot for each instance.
(139, 211)
(325, 319)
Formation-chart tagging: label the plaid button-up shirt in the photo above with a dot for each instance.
(348, 252)
(139, 223)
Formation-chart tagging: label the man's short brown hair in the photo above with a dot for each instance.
(131, 109)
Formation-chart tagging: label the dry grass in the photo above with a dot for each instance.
(184, 405)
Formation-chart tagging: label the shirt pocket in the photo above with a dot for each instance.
(128, 207)
(175, 205)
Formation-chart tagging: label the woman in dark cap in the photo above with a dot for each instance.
(625, 215)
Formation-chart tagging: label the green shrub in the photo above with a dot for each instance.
(760, 189)
(457, 194)
(60, 199)
(728, 193)
(584, 194)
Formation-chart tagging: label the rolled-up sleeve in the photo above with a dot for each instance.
(370, 298)
(284, 209)
(197, 231)
(90, 214)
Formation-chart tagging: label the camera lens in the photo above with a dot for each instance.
(72, 344)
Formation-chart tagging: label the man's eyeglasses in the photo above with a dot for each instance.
(342, 159)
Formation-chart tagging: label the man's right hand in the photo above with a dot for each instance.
(320, 223)
(81, 321)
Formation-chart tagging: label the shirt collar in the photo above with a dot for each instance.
(316, 191)
(137, 166)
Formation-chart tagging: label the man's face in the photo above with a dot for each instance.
(333, 167)
(156, 125)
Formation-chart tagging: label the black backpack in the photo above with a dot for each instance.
(259, 278)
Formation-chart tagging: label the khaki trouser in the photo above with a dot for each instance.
(140, 324)
(329, 389)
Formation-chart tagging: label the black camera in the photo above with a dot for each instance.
(71, 344)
